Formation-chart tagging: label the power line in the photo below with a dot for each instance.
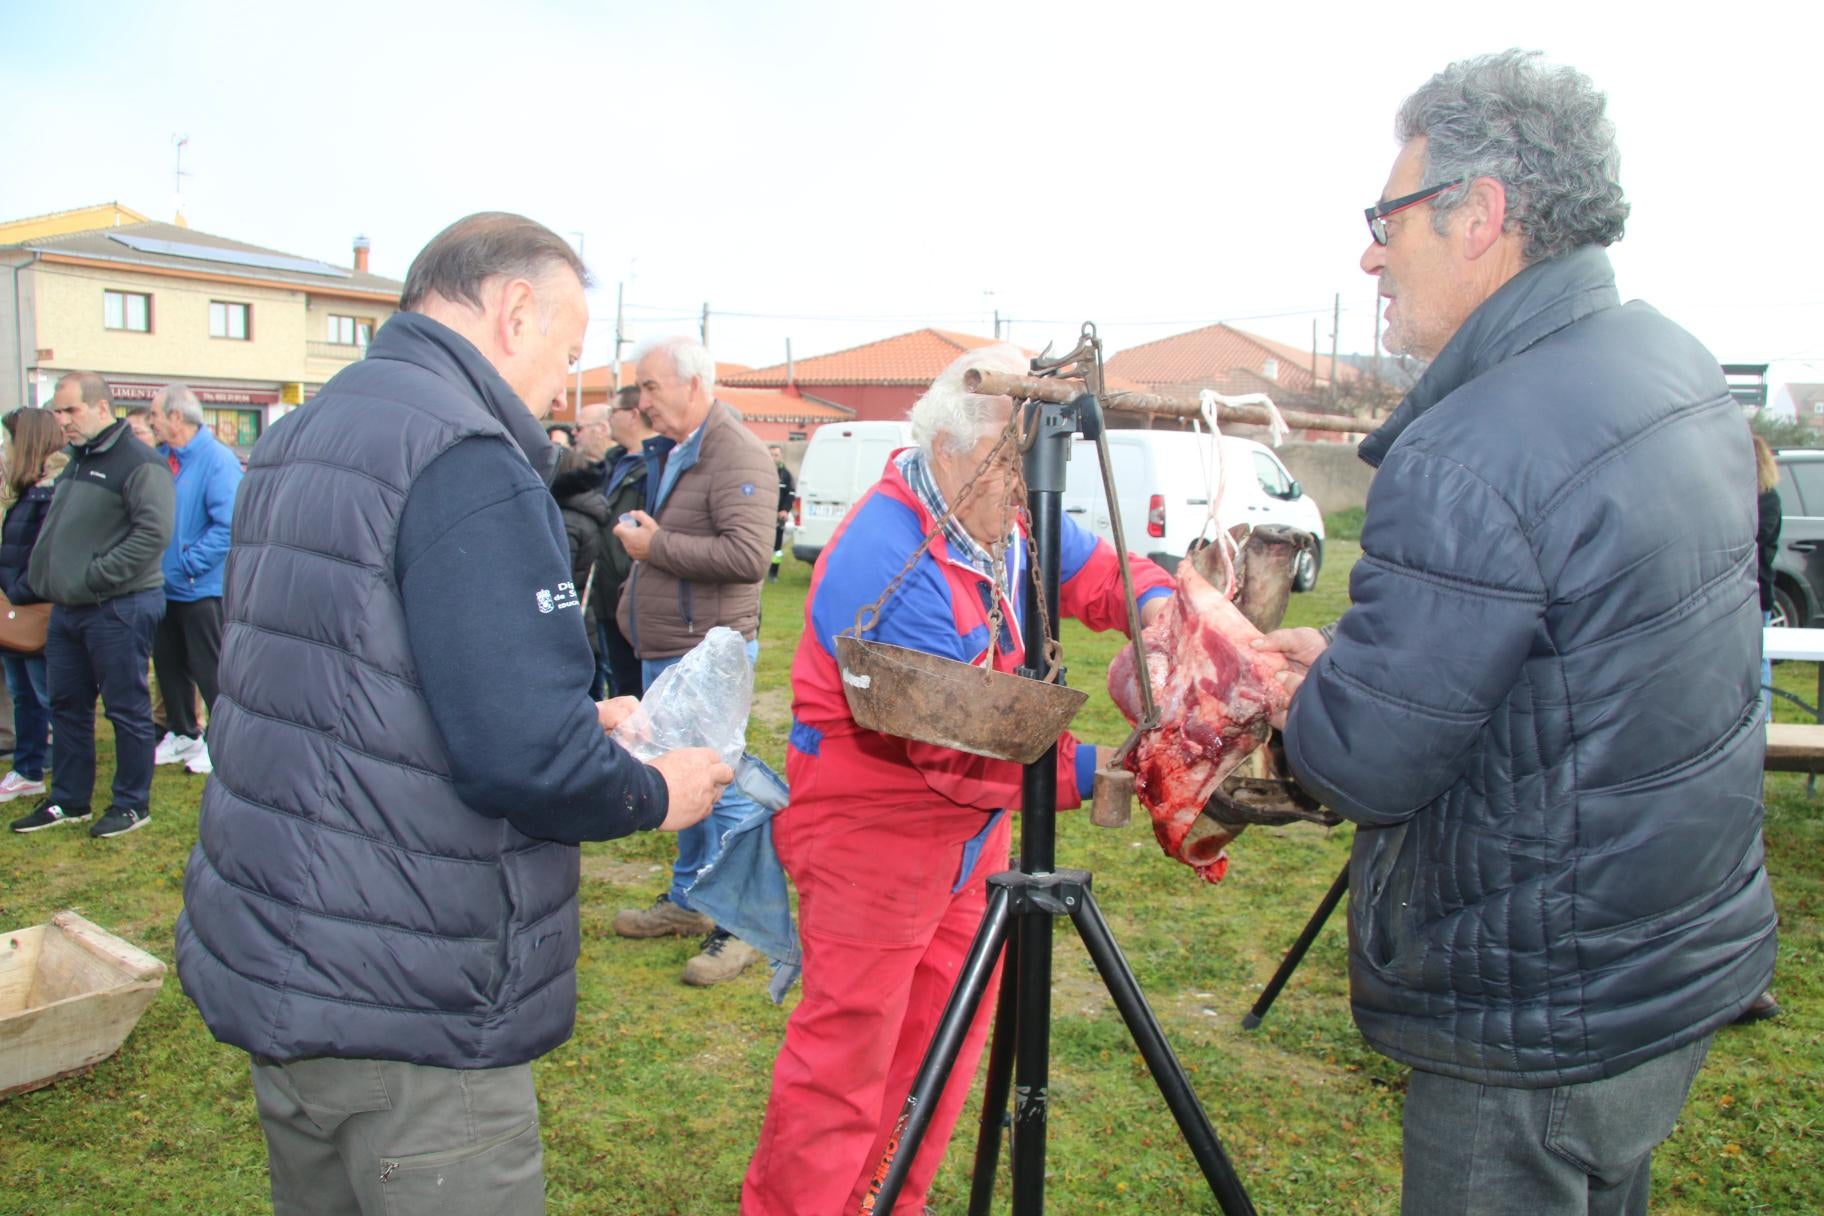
(674, 313)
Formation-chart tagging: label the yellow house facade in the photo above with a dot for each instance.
(253, 331)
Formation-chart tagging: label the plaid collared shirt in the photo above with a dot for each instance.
(917, 471)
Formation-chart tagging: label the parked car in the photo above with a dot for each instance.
(841, 461)
(1165, 480)
(1798, 567)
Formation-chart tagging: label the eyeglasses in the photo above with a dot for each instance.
(1377, 214)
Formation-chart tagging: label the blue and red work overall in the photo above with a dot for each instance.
(889, 842)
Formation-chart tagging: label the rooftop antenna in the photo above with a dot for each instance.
(178, 175)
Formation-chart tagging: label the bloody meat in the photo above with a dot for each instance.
(1214, 694)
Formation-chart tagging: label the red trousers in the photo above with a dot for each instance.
(884, 937)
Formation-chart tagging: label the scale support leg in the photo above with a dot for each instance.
(940, 1057)
(1296, 954)
(996, 1088)
(1167, 1072)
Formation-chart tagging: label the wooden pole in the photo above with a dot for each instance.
(1175, 405)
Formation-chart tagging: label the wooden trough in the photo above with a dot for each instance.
(70, 992)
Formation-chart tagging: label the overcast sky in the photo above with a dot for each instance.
(832, 173)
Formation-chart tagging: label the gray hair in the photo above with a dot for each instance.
(958, 420)
(689, 358)
(483, 246)
(181, 401)
(1540, 131)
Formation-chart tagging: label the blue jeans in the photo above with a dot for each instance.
(1572, 1150)
(25, 680)
(698, 843)
(102, 650)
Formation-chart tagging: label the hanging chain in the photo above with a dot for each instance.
(1014, 503)
(869, 614)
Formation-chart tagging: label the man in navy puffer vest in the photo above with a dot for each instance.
(1541, 711)
(381, 907)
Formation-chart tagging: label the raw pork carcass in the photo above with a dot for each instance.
(1214, 694)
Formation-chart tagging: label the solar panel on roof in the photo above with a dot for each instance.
(234, 257)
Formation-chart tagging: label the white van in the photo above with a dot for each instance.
(841, 461)
(1165, 480)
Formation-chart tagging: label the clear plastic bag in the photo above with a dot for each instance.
(701, 701)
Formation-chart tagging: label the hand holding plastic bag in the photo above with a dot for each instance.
(701, 701)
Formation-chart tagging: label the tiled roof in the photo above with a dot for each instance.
(75, 219)
(598, 377)
(100, 245)
(775, 405)
(911, 360)
(1221, 357)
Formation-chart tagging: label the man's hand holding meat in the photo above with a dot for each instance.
(1300, 647)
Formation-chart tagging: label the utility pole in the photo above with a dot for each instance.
(1314, 357)
(1336, 329)
(620, 336)
(703, 329)
(578, 409)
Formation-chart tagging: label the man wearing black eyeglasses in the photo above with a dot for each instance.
(1542, 710)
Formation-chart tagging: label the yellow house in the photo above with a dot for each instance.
(254, 331)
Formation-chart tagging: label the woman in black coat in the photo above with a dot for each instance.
(34, 458)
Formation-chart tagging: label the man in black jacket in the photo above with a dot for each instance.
(788, 490)
(97, 562)
(382, 905)
(1541, 710)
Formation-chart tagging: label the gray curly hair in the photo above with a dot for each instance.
(1541, 131)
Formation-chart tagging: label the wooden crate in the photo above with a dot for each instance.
(70, 992)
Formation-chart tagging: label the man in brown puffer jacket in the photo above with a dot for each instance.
(699, 549)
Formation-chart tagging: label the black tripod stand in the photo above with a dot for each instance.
(1296, 954)
(1031, 896)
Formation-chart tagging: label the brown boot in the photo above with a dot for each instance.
(723, 957)
(662, 919)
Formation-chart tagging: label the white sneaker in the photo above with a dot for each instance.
(13, 786)
(199, 760)
(175, 749)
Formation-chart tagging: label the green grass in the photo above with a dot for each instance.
(1345, 524)
(654, 1105)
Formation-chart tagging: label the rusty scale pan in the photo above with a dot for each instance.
(915, 695)
(931, 699)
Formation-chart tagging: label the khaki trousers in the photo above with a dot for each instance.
(385, 1138)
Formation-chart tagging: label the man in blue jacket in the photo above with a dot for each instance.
(1541, 711)
(188, 646)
